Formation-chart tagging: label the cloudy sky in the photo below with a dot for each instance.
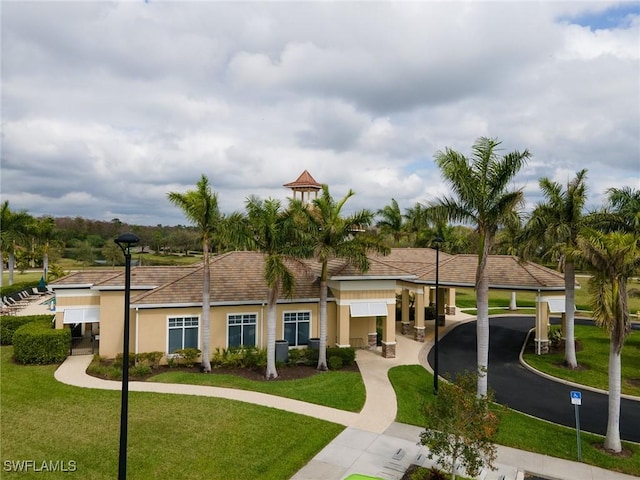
(107, 106)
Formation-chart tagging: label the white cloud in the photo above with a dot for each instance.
(108, 106)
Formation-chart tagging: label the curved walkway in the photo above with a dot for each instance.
(372, 443)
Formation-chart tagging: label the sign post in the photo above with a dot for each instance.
(576, 400)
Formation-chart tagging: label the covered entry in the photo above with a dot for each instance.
(85, 329)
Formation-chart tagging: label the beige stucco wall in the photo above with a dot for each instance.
(151, 325)
(112, 324)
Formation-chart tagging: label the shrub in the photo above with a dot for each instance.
(9, 324)
(118, 360)
(8, 290)
(189, 355)
(348, 354)
(335, 363)
(140, 370)
(555, 337)
(38, 343)
(311, 356)
(253, 357)
(150, 359)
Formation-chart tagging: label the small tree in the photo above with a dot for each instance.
(461, 428)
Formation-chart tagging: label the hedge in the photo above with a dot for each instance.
(38, 343)
(9, 324)
(9, 290)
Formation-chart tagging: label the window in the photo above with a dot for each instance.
(296, 328)
(183, 333)
(242, 329)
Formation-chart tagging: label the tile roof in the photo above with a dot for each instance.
(505, 271)
(85, 277)
(305, 180)
(236, 277)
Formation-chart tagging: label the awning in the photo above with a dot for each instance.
(368, 309)
(81, 315)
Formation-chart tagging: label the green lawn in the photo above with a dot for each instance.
(170, 436)
(593, 360)
(414, 387)
(337, 389)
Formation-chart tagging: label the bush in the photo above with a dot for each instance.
(555, 337)
(9, 324)
(335, 363)
(38, 343)
(9, 290)
(348, 354)
(140, 370)
(189, 355)
(117, 362)
(150, 359)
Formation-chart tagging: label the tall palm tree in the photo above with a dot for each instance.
(269, 230)
(200, 206)
(391, 221)
(555, 225)
(331, 236)
(480, 197)
(611, 258)
(13, 230)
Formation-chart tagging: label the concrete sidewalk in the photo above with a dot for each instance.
(372, 443)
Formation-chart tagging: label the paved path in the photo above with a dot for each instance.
(525, 391)
(372, 443)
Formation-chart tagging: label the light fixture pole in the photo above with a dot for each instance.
(125, 242)
(437, 241)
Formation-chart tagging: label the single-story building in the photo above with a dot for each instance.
(166, 302)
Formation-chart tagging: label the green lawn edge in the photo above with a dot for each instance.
(593, 360)
(413, 386)
(170, 436)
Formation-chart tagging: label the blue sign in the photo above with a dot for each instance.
(576, 397)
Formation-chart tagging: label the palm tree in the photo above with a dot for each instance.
(200, 206)
(331, 236)
(46, 232)
(622, 212)
(612, 258)
(481, 198)
(391, 221)
(555, 225)
(269, 230)
(14, 227)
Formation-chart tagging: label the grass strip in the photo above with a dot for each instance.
(414, 387)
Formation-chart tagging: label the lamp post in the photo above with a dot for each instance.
(437, 241)
(125, 242)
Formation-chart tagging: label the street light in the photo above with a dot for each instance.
(437, 241)
(125, 242)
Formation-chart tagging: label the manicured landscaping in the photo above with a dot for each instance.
(593, 361)
(338, 389)
(170, 436)
(413, 387)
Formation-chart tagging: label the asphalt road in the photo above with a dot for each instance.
(522, 390)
